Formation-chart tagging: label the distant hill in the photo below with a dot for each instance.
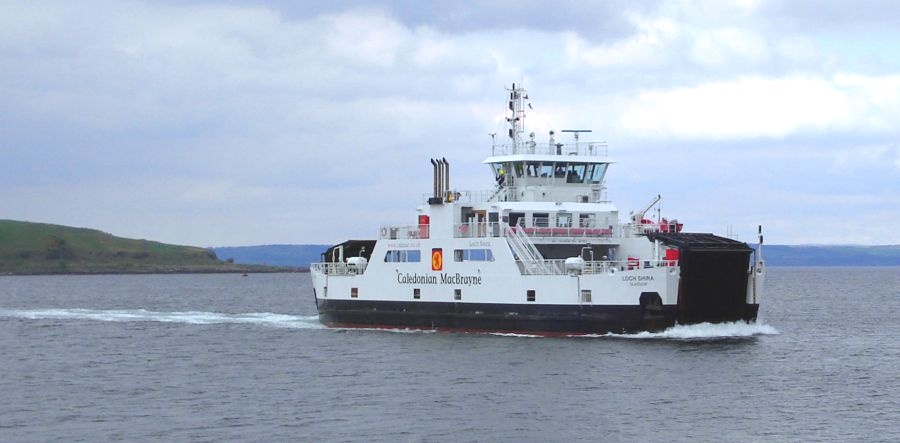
(827, 255)
(775, 255)
(38, 248)
(273, 255)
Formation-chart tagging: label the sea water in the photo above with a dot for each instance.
(226, 357)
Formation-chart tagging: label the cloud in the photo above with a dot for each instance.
(750, 107)
(159, 118)
(719, 47)
(644, 47)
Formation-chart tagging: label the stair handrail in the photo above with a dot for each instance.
(523, 247)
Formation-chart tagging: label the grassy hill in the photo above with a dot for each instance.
(37, 248)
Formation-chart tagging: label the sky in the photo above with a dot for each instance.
(228, 123)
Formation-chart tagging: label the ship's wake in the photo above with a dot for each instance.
(189, 317)
(701, 331)
(705, 331)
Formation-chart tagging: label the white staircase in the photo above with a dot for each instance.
(531, 259)
(495, 194)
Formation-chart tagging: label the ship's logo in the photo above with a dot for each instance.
(437, 259)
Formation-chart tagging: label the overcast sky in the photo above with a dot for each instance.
(220, 123)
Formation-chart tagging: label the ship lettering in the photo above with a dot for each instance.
(459, 279)
(416, 279)
(445, 279)
(637, 278)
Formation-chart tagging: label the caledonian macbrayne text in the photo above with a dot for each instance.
(444, 279)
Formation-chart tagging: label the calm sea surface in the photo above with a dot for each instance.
(225, 357)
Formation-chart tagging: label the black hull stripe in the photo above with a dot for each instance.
(530, 319)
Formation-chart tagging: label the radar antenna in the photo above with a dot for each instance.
(575, 133)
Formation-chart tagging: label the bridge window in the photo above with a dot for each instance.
(546, 169)
(560, 170)
(403, 255)
(473, 255)
(575, 173)
(596, 172)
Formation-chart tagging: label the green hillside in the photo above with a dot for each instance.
(37, 248)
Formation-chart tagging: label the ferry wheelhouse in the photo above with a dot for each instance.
(543, 251)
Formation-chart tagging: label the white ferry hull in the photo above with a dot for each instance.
(543, 251)
(493, 296)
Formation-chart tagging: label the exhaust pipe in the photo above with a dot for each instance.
(446, 178)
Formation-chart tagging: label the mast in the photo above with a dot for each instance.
(516, 118)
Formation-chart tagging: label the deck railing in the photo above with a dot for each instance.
(474, 230)
(469, 197)
(338, 268)
(541, 230)
(558, 266)
(589, 148)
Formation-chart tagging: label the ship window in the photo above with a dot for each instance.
(586, 220)
(354, 292)
(519, 170)
(560, 170)
(473, 255)
(585, 295)
(541, 219)
(417, 293)
(403, 255)
(515, 218)
(575, 174)
(532, 169)
(546, 169)
(563, 220)
(598, 172)
(530, 295)
(457, 294)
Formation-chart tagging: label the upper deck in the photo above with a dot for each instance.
(546, 171)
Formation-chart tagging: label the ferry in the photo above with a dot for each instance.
(542, 251)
